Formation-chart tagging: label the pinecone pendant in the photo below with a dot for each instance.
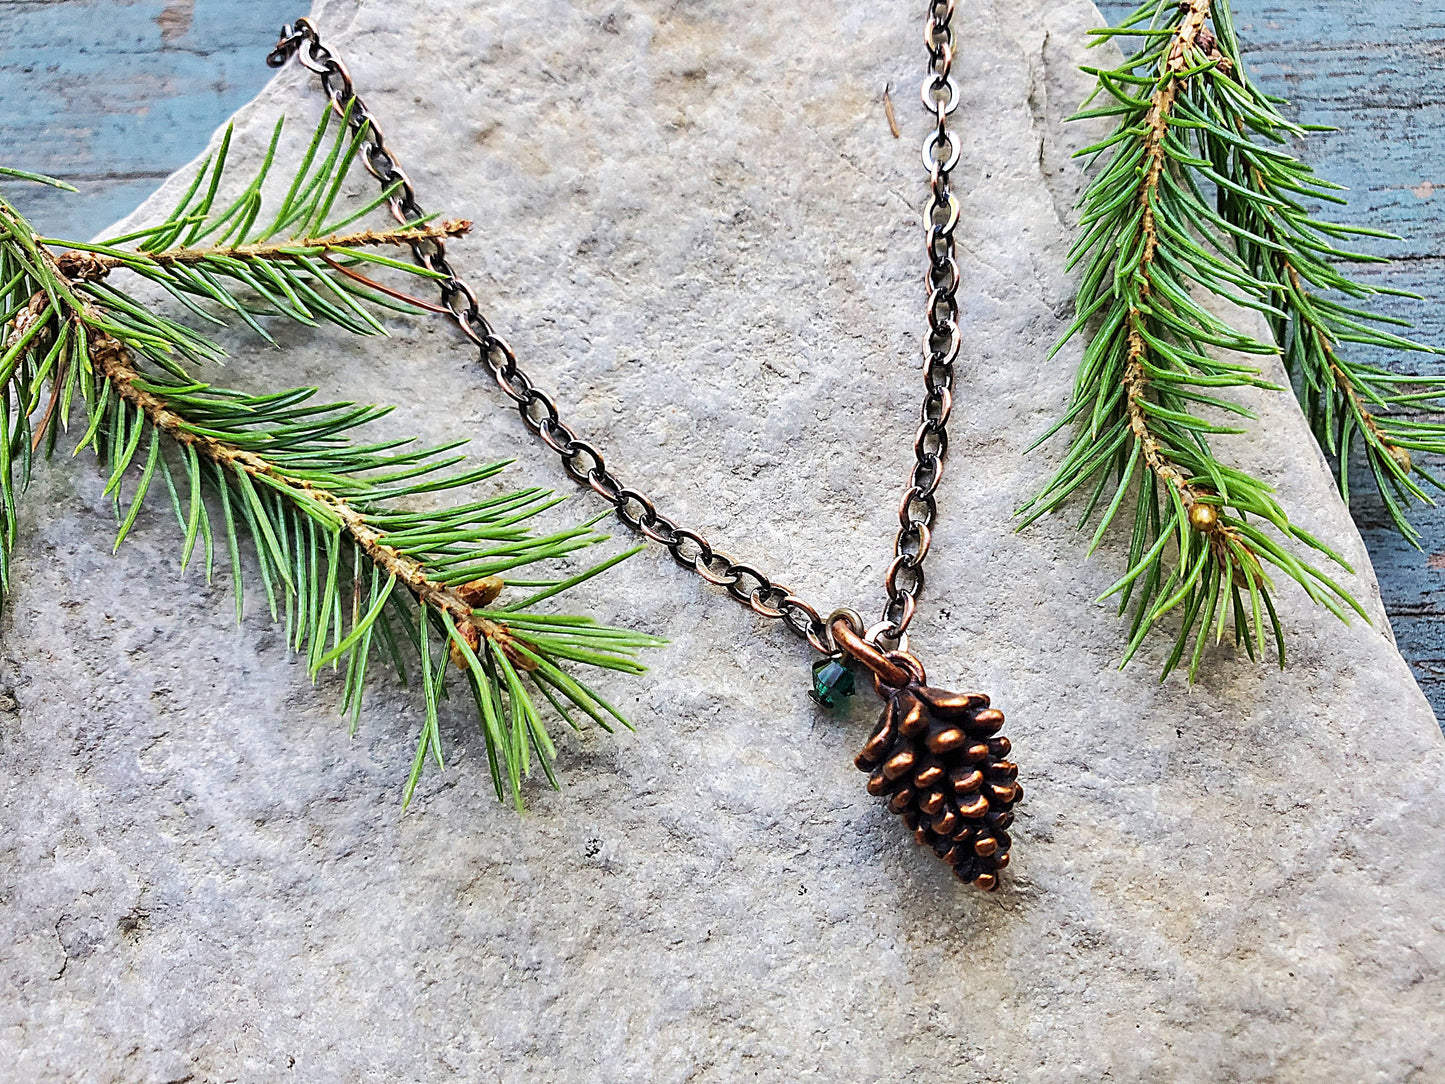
(939, 760)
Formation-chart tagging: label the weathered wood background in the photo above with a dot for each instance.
(113, 95)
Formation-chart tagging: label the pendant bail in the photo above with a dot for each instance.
(892, 670)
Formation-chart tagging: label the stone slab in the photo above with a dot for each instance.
(694, 223)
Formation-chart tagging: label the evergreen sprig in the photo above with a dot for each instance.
(1194, 195)
(352, 547)
(1298, 255)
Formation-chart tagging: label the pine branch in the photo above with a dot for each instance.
(1201, 543)
(1298, 257)
(350, 548)
(432, 556)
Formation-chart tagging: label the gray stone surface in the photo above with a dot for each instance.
(694, 223)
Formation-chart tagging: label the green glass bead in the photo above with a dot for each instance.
(832, 682)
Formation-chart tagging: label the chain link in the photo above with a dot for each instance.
(919, 506)
(583, 461)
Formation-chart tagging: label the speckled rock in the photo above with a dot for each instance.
(694, 224)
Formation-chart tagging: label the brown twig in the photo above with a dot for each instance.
(77, 265)
(1198, 502)
(112, 362)
(1363, 415)
(56, 383)
(425, 306)
(20, 323)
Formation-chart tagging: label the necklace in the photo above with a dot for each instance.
(936, 756)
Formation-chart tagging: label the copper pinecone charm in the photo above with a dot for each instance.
(939, 759)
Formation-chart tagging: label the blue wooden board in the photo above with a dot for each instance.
(112, 96)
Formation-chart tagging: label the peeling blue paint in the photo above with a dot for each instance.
(113, 97)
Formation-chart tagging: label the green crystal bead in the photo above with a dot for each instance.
(832, 682)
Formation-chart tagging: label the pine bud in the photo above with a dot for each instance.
(1203, 517)
(478, 593)
(473, 636)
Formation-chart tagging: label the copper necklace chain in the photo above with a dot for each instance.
(583, 461)
(935, 756)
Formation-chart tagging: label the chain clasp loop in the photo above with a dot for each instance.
(292, 35)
